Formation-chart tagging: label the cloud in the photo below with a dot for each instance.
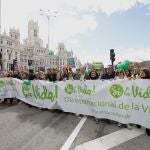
(70, 26)
(105, 6)
(65, 26)
(147, 14)
(75, 18)
(132, 54)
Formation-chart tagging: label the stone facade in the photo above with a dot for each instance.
(9, 48)
(31, 49)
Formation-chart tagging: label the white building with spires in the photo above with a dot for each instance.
(31, 49)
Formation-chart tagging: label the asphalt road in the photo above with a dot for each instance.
(23, 128)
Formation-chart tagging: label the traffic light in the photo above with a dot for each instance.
(14, 61)
(12, 67)
(29, 62)
(112, 55)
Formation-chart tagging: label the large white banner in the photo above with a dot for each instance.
(125, 101)
(40, 93)
(120, 100)
(7, 88)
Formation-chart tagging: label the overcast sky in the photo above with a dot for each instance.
(89, 27)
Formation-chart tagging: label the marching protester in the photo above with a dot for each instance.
(128, 73)
(51, 75)
(65, 75)
(70, 75)
(37, 76)
(9, 75)
(77, 74)
(135, 73)
(120, 74)
(144, 74)
(42, 76)
(31, 75)
(109, 74)
(94, 76)
(58, 75)
(17, 75)
(84, 75)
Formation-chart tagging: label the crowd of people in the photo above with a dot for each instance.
(54, 75)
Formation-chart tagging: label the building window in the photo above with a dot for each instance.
(35, 33)
(1, 42)
(16, 55)
(9, 43)
(9, 57)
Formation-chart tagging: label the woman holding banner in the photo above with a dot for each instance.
(145, 74)
(94, 76)
(121, 74)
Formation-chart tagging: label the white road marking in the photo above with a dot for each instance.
(73, 135)
(111, 140)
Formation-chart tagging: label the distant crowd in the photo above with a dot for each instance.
(54, 74)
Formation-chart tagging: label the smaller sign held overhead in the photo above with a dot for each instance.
(71, 62)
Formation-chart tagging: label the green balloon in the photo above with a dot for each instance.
(120, 66)
(27, 82)
(126, 64)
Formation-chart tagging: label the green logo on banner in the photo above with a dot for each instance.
(116, 90)
(69, 89)
(26, 90)
(2, 83)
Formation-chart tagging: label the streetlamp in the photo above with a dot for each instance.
(48, 14)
